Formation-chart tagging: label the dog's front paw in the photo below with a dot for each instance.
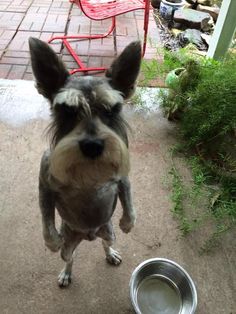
(127, 223)
(64, 278)
(113, 257)
(53, 241)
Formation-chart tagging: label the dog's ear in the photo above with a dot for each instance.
(125, 69)
(49, 71)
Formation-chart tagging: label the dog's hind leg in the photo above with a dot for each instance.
(106, 232)
(71, 240)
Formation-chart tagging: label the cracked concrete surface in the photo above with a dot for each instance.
(28, 271)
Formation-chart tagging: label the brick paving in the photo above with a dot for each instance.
(20, 19)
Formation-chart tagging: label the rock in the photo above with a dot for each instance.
(175, 1)
(192, 36)
(173, 24)
(188, 5)
(156, 3)
(205, 2)
(194, 19)
(191, 1)
(175, 32)
(213, 11)
(206, 38)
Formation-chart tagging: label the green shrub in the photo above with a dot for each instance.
(203, 103)
(211, 109)
(204, 100)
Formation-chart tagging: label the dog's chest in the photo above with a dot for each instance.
(87, 209)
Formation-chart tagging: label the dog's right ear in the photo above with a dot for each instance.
(49, 71)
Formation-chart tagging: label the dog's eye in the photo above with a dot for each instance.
(65, 109)
(116, 109)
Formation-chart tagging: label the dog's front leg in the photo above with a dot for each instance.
(107, 234)
(129, 215)
(47, 206)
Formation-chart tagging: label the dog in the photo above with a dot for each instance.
(85, 170)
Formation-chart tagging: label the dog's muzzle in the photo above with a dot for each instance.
(91, 148)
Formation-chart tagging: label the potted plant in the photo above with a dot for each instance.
(168, 7)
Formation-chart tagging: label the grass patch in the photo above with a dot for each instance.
(200, 201)
(177, 197)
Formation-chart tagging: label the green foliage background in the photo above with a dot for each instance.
(203, 104)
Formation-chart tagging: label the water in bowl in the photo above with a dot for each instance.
(157, 295)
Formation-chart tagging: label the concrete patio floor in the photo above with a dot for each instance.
(29, 272)
(20, 19)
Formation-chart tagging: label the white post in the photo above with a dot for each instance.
(224, 30)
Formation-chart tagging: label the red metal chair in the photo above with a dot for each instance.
(100, 10)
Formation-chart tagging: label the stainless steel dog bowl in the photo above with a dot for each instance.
(161, 286)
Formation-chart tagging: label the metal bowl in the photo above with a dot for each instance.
(161, 286)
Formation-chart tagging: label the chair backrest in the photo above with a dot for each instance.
(104, 9)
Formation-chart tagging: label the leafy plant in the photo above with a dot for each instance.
(170, 60)
(212, 104)
(204, 100)
(203, 103)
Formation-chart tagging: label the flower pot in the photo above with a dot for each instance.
(167, 8)
(172, 78)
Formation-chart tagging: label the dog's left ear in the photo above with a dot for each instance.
(48, 69)
(125, 69)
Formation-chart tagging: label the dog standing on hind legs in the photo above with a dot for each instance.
(86, 167)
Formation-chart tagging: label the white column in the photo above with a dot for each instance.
(224, 30)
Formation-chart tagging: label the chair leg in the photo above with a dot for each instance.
(82, 66)
(145, 26)
(114, 38)
(144, 41)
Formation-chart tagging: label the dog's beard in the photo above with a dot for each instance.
(70, 167)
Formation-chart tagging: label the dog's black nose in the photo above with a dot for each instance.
(92, 148)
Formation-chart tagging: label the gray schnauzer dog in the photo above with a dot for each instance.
(86, 168)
